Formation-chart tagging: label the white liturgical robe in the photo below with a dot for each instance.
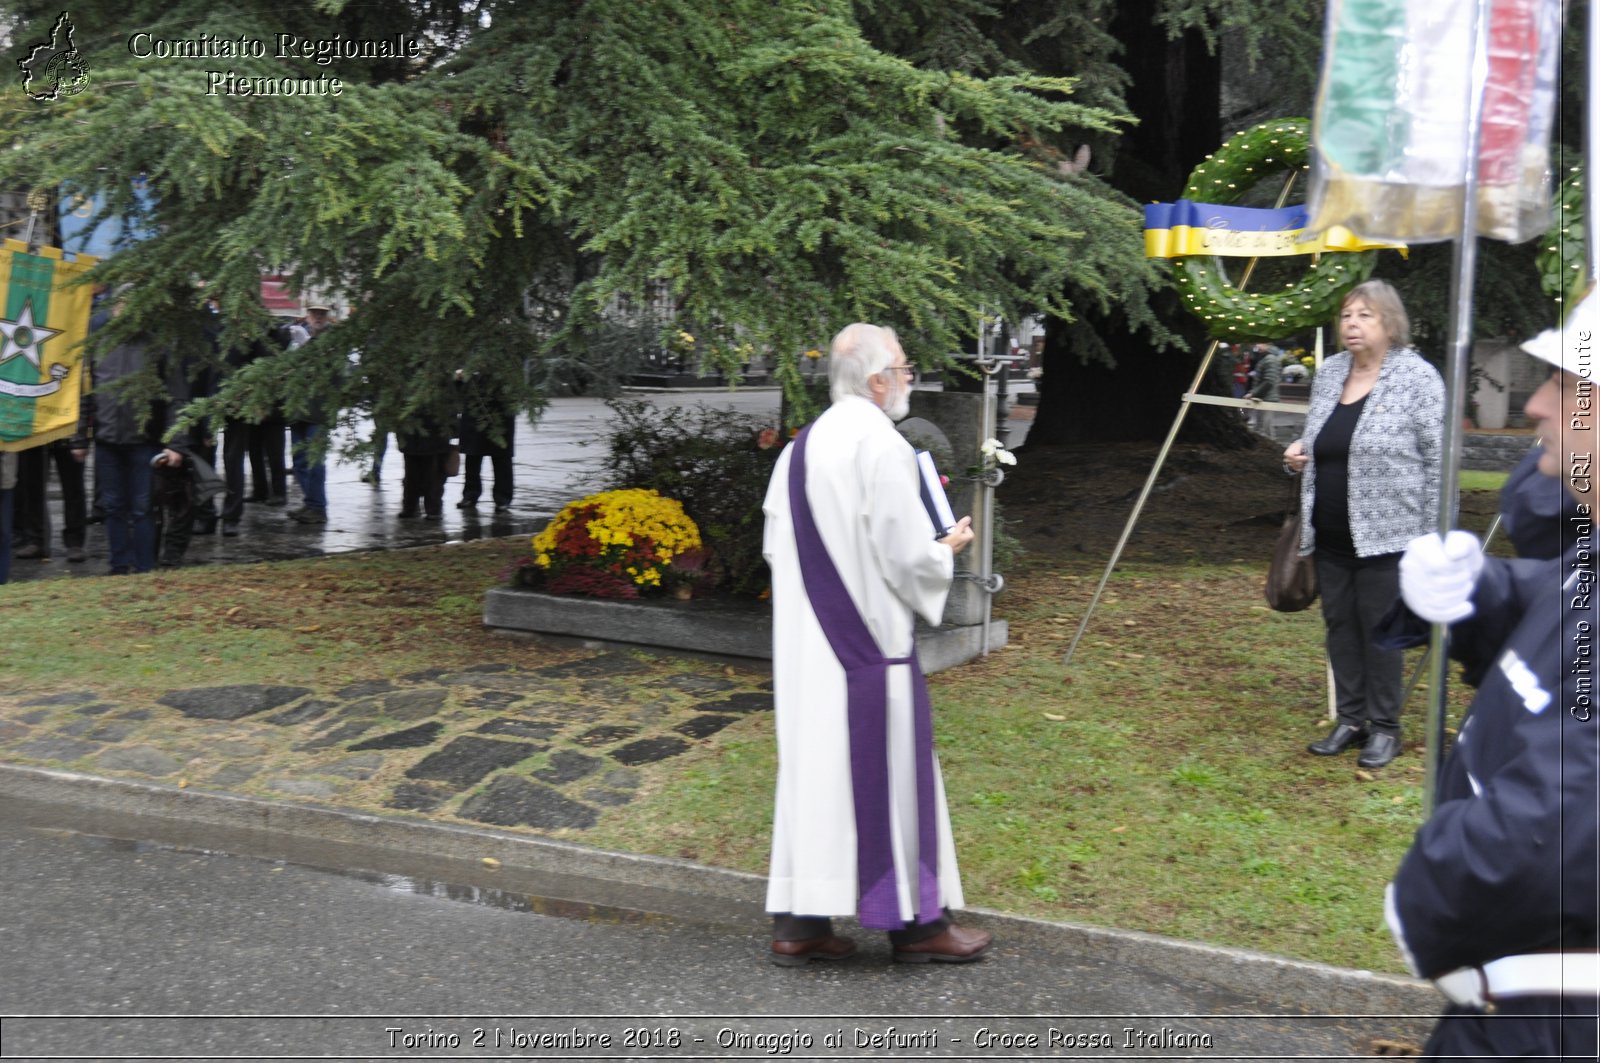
(862, 484)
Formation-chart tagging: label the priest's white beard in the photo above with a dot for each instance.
(900, 405)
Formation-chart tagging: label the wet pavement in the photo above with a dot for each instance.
(555, 461)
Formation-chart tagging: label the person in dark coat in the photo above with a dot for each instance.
(425, 445)
(1498, 899)
(1534, 509)
(128, 435)
(1267, 375)
(243, 439)
(488, 425)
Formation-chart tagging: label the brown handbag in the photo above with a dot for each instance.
(1291, 579)
(452, 460)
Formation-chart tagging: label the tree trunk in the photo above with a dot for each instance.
(1085, 400)
(1176, 92)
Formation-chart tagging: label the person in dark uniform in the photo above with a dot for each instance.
(1498, 899)
(425, 445)
(1534, 508)
(488, 427)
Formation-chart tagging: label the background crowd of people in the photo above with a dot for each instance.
(154, 483)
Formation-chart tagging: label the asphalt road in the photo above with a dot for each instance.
(117, 949)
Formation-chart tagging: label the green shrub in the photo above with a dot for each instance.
(717, 463)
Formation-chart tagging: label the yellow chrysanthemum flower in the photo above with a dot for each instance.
(619, 521)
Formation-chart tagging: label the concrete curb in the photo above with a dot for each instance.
(706, 625)
(588, 881)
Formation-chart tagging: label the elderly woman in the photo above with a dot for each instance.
(1370, 454)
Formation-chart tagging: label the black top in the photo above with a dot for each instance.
(1330, 509)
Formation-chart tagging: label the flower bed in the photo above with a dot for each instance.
(616, 544)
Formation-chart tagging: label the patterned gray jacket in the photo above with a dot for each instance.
(1394, 454)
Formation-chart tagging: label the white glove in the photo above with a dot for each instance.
(1437, 575)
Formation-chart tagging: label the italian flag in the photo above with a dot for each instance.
(1390, 128)
(43, 321)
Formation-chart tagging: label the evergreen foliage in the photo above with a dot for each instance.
(543, 164)
(543, 175)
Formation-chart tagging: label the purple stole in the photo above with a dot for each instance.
(867, 676)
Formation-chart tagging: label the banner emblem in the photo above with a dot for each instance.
(44, 318)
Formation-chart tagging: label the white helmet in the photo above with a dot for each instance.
(1572, 346)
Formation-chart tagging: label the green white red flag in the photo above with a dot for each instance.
(1392, 119)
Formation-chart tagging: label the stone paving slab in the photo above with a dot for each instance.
(547, 747)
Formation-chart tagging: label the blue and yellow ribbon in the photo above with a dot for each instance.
(1173, 230)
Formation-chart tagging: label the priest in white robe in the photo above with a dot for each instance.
(860, 826)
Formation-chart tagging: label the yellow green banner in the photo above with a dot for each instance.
(44, 318)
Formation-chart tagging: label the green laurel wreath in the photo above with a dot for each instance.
(1561, 260)
(1230, 314)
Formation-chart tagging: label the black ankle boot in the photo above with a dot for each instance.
(1380, 750)
(1341, 738)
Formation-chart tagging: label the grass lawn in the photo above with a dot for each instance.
(1475, 480)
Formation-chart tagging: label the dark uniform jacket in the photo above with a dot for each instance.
(1536, 511)
(1506, 864)
(484, 414)
(116, 417)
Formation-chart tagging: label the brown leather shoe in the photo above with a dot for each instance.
(800, 953)
(958, 944)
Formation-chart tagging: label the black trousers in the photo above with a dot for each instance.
(1367, 681)
(269, 475)
(1542, 1027)
(424, 484)
(31, 516)
(500, 460)
(786, 927)
(237, 437)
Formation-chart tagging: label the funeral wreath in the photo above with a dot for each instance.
(1229, 313)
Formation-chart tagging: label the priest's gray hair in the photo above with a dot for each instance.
(858, 353)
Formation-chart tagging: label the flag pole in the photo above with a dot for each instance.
(1457, 375)
(1161, 458)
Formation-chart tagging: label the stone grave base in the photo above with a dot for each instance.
(734, 629)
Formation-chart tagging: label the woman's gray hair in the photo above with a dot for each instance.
(858, 353)
(1385, 302)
